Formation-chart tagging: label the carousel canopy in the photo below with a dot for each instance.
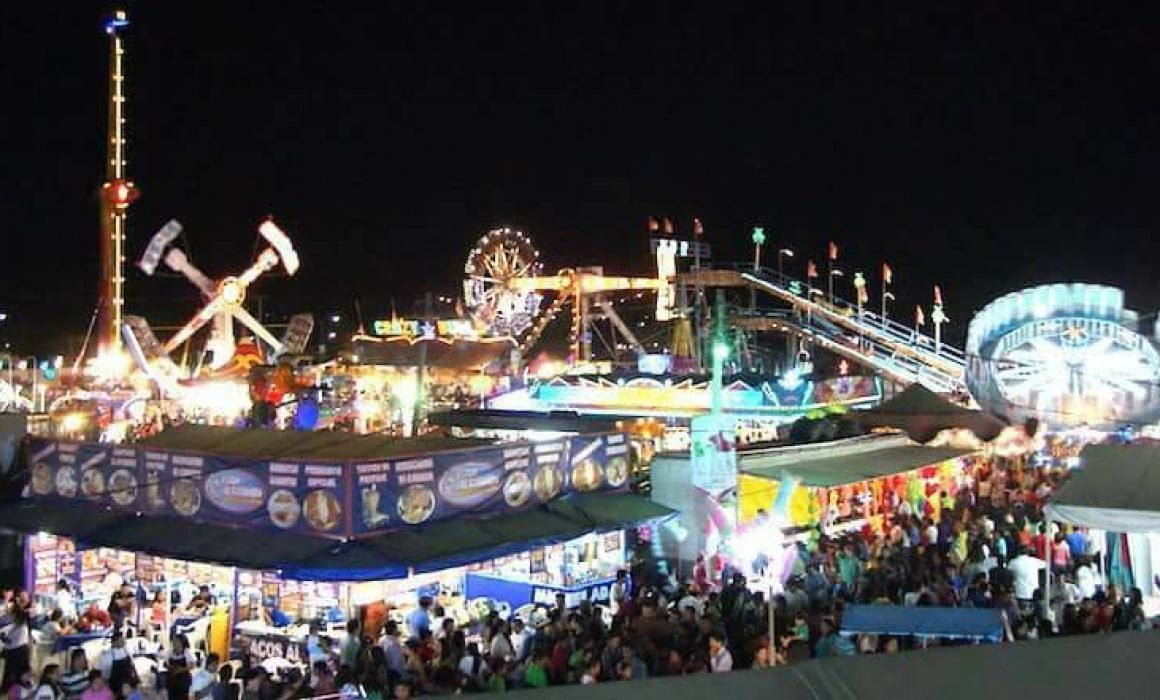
(921, 414)
(386, 555)
(820, 470)
(1118, 489)
(255, 443)
(1027, 670)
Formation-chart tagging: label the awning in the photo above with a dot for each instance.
(840, 469)
(387, 555)
(258, 443)
(562, 421)
(1117, 489)
(946, 623)
(921, 413)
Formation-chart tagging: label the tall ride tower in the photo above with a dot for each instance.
(117, 193)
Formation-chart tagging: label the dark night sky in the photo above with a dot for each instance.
(982, 152)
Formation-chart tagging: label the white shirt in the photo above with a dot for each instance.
(691, 601)
(1026, 571)
(466, 664)
(616, 596)
(500, 648)
(722, 661)
(16, 635)
(1085, 580)
(201, 681)
(67, 604)
(931, 535)
(520, 643)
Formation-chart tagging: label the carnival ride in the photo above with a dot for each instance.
(224, 304)
(898, 352)
(503, 291)
(1068, 354)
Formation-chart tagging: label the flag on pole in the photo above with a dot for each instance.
(811, 270)
(919, 316)
(668, 225)
(937, 296)
(887, 274)
(652, 224)
(698, 229)
(833, 251)
(863, 295)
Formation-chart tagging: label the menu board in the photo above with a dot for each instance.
(335, 499)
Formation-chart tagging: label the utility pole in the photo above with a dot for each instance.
(421, 373)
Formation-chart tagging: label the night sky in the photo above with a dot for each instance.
(982, 152)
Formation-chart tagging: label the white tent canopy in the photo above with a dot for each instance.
(1117, 489)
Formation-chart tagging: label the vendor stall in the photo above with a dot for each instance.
(295, 533)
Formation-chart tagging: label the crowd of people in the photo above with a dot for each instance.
(986, 545)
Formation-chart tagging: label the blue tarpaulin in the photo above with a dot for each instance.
(948, 623)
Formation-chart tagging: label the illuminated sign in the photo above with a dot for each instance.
(1065, 354)
(452, 328)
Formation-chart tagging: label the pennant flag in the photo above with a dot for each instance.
(652, 225)
(698, 229)
(887, 274)
(937, 296)
(668, 225)
(833, 251)
(863, 295)
(811, 269)
(919, 317)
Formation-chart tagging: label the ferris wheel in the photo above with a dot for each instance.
(492, 291)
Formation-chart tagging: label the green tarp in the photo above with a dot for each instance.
(847, 468)
(1090, 667)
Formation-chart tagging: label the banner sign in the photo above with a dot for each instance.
(442, 485)
(338, 499)
(714, 453)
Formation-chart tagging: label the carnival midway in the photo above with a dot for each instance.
(559, 474)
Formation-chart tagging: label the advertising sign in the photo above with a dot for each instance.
(334, 499)
(714, 453)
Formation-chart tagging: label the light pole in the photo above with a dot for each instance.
(758, 241)
(781, 256)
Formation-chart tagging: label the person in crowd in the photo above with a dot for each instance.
(76, 680)
(720, 660)
(49, 687)
(98, 688)
(15, 635)
(204, 679)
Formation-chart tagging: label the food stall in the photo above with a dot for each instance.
(581, 569)
(323, 526)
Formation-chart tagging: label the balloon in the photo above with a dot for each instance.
(306, 417)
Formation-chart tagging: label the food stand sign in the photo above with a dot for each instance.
(336, 499)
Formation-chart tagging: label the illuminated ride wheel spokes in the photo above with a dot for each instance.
(1078, 370)
(491, 291)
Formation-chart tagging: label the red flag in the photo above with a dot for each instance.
(919, 316)
(833, 251)
(698, 229)
(937, 296)
(811, 270)
(887, 274)
(652, 225)
(668, 225)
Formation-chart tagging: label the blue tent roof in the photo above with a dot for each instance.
(948, 623)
